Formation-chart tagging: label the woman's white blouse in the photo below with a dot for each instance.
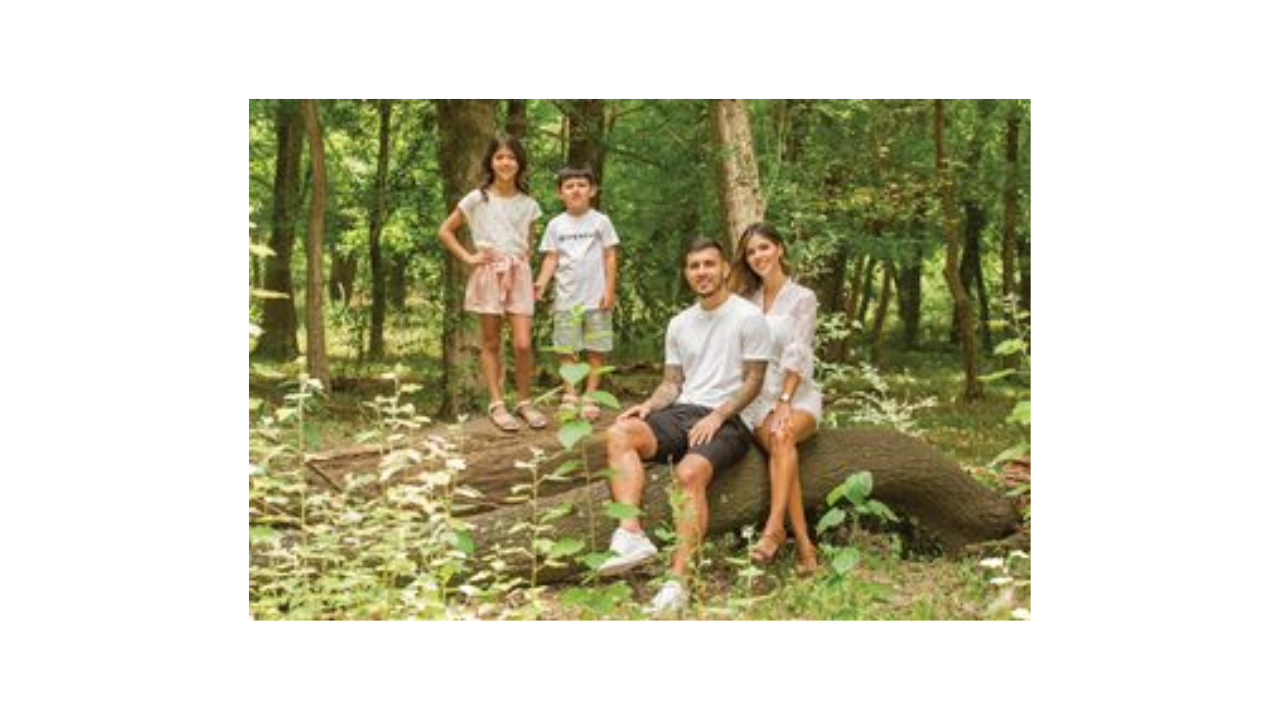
(791, 322)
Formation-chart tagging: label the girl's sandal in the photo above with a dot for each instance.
(526, 410)
(502, 418)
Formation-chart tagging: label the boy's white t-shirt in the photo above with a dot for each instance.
(580, 242)
(501, 223)
(710, 348)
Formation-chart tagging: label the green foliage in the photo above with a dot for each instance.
(846, 503)
(572, 432)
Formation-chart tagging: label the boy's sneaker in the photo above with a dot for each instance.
(671, 598)
(629, 550)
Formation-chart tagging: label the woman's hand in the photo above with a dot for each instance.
(781, 418)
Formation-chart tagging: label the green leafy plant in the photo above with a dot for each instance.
(846, 503)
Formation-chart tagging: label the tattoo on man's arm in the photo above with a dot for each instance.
(669, 390)
(752, 380)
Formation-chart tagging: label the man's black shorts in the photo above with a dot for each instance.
(671, 426)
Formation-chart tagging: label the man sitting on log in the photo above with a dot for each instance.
(717, 352)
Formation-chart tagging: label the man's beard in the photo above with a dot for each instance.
(714, 287)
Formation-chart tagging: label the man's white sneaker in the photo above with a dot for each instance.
(629, 550)
(671, 598)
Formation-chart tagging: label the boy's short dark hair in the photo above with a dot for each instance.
(574, 173)
(696, 243)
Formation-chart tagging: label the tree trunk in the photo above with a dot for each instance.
(517, 118)
(828, 284)
(279, 339)
(317, 357)
(882, 312)
(975, 219)
(465, 127)
(951, 270)
(377, 220)
(398, 282)
(737, 176)
(850, 307)
(1009, 228)
(790, 125)
(586, 141)
(342, 276)
(910, 294)
(909, 475)
(868, 282)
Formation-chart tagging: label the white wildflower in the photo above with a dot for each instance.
(1001, 580)
(992, 563)
(1021, 614)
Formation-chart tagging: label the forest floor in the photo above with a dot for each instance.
(892, 578)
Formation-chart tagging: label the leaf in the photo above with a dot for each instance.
(594, 560)
(557, 512)
(857, 487)
(621, 511)
(605, 399)
(1011, 346)
(1021, 413)
(1016, 451)
(833, 518)
(880, 510)
(566, 548)
(262, 534)
(573, 373)
(262, 251)
(573, 431)
(463, 541)
(999, 376)
(567, 468)
(845, 560)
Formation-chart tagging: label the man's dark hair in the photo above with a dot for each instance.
(696, 243)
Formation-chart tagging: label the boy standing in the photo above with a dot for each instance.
(581, 250)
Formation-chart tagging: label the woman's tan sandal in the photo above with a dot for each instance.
(806, 560)
(767, 546)
(531, 415)
(503, 419)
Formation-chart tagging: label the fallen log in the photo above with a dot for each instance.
(910, 476)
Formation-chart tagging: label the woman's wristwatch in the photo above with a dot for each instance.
(785, 397)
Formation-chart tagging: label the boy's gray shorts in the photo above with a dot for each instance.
(592, 330)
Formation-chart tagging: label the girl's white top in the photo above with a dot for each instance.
(501, 223)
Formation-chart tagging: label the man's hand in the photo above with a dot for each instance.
(638, 412)
(705, 429)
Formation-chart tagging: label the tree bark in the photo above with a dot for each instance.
(975, 219)
(517, 118)
(955, 245)
(886, 299)
(1009, 227)
(465, 127)
(379, 213)
(910, 293)
(317, 357)
(343, 267)
(737, 176)
(279, 339)
(850, 307)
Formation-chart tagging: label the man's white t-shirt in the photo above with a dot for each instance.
(710, 348)
(580, 242)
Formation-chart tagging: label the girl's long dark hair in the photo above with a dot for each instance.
(742, 279)
(499, 142)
